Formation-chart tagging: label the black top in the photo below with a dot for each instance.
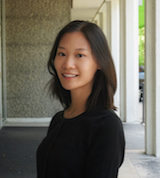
(89, 145)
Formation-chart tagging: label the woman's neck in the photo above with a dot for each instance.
(78, 104)
(79, 98)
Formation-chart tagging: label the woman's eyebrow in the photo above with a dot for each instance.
(81, 49)
(61, 47)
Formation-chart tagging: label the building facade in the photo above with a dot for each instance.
(28, 31)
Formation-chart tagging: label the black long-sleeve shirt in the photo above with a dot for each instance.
(89, 145)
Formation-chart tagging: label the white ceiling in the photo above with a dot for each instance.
(86, 3)
(84, 9)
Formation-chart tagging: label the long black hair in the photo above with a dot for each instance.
(105, 82)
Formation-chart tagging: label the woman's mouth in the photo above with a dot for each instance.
(69, 75)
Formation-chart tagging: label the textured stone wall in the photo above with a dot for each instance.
(31, 27)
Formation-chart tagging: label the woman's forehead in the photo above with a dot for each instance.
(74, 39)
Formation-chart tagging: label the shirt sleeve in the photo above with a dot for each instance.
(106, 146)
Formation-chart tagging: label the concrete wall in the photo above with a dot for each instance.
(31, 27)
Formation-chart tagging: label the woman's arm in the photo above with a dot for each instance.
(105, 148)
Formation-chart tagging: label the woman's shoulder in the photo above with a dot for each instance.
(104, 119)
(58, 114)
(57, 119)
(105, 115)
(104, 125)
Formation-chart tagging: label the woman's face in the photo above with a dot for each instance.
(75, 63)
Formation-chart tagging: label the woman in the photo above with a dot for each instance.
(86, 139)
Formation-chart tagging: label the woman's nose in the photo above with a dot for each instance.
(69, 63)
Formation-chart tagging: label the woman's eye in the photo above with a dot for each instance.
(61, 54)
(80, 55)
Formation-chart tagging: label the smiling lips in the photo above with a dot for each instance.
(69, 75)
